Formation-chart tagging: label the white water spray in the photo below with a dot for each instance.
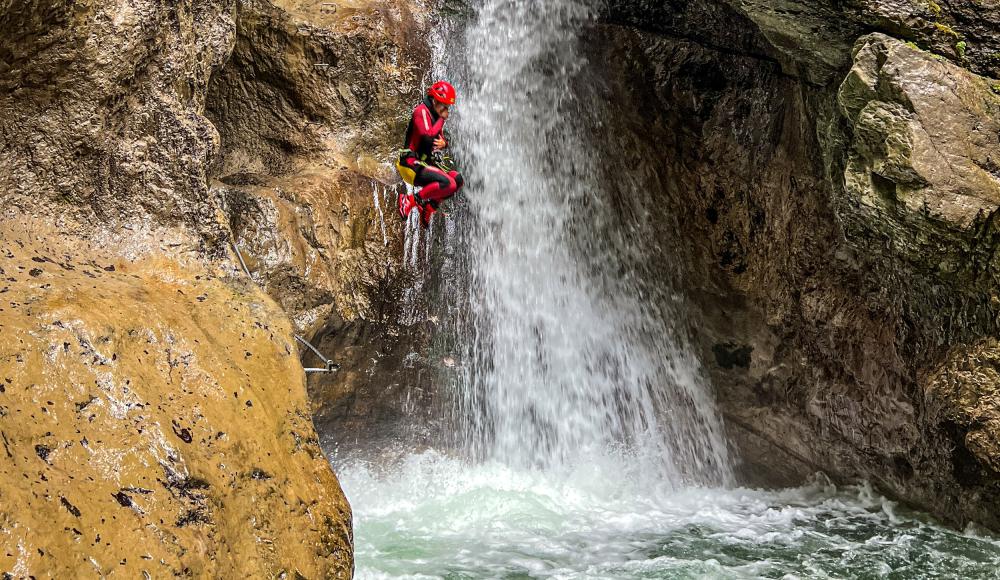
(575, 365)
(572, 355)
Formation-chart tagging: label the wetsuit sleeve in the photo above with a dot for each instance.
(426, 131)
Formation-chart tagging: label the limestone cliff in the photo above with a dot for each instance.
(311, 105)
(153, 407)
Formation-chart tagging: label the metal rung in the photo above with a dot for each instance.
(330, 365)
(333, 368)
(242, 263)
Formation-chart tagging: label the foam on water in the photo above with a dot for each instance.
(432, 516)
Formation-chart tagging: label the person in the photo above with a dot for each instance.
(421, 161)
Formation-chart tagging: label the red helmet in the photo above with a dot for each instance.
(442, 92)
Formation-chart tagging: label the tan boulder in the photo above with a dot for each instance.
(154, 421)
(925, 134)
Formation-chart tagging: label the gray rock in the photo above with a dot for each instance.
(828, 200)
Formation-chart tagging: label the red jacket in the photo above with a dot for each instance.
(425, 126)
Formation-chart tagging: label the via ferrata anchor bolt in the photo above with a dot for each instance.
(329, 365)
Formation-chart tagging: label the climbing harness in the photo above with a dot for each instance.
(443, 161)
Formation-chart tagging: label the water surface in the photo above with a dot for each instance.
(431, 516)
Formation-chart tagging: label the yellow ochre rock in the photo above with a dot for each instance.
(154, 422)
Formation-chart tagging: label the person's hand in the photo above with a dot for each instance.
(440, 143)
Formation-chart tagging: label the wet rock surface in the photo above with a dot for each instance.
(925, 140)
(812, 39)
(310, 107)
(829, 196)
(384, 395)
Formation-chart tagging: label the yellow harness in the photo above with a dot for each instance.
(441, 160)
(407, 173)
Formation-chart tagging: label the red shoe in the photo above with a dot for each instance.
(426, 213)
(406, 204)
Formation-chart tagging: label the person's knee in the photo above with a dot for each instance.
(452, 183)
(442, 179)
(447, 183)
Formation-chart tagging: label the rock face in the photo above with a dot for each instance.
(309, 100)
(924, 138)
(310, 106)
(154, 421)
(101, 107)
(829, 194)
(153, 407)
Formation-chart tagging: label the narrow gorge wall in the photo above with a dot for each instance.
(311, 106)
(824, 178)
(152, 406)
(829, 193)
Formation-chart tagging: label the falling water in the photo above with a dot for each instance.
(573, 354)
(589, 446)
(376, 188)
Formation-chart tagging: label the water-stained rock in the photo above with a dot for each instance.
(925, 144)
(815, 36)
(311, 106)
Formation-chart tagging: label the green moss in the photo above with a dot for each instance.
(947, 30)
(933, 54)
(934, 7)
(996, 88)
(960, 48)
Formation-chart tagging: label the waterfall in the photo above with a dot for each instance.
(594, 448)
(572, 352)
